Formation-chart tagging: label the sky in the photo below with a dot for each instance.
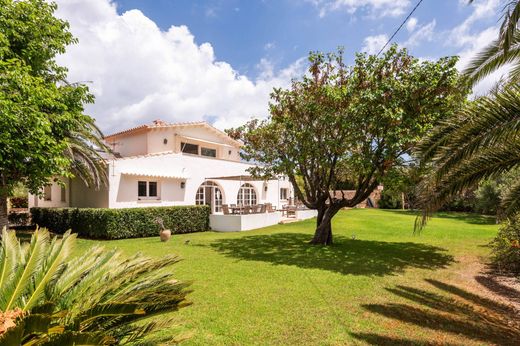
(218, 60)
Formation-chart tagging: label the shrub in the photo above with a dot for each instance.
(389, 201)
(19, 218)
(102, 223)
(487, 198)
(19, 202)
(506, 247)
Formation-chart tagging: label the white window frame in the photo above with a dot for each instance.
(148, 197)
(247, 195)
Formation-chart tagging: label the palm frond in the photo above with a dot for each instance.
(491, 58)
(85, 146)
(482, 141)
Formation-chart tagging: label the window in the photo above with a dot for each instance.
(147, 189)
(47, 193)
(209, 193)
(189, 148)
(208, 152)
(246, 195)
(63, 194)
(199, 197)
(284, 193)
(141, 186)
(152, 189)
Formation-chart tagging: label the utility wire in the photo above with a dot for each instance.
(400, 26)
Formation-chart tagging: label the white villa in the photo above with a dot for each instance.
(162, 164)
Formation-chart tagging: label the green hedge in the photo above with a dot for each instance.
(102, 223)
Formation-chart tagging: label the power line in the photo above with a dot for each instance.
(400, 26)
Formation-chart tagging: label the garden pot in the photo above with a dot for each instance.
(165, 234)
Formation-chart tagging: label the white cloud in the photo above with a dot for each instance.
(461, 35)
(377, 8)
(269, 45)
(424, 33)
(140, 73)
(372, 44)
(470, 42)
(411, 24)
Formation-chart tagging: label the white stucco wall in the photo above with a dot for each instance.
(123, 187)
(237, 223)
(83, 197)
(130, 145)
(56, 200)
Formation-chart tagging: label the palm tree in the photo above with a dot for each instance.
(504, 50)
(483, 140)
(48, 296)
(85, 145)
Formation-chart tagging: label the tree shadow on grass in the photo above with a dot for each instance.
(346, 256)
(455, 311)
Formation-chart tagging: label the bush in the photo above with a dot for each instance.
(19, 202)
(487, 198)
(102, 223)
(389, 201)
(19, 219)
(506, 247)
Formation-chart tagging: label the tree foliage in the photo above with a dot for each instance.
(44, 130)
(349, 123)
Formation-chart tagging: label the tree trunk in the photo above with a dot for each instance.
(323, 233)
(3, 212)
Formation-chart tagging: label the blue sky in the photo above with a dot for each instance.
(218, 60)
(243, 32)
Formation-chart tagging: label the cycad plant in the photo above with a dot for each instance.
(99, 298)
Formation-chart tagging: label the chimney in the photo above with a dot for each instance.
(158, 122)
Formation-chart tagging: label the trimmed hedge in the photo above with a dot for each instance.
(103, 223)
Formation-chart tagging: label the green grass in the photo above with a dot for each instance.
(378, 284)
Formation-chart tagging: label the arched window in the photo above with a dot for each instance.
(246, 195)
(209, 193)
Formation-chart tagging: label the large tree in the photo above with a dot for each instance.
(44, 132)
(344, 123)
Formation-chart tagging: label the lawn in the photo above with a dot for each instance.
(378, 284)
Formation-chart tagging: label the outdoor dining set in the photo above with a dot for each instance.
(233, 209)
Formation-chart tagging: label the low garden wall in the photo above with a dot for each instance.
(103, 223)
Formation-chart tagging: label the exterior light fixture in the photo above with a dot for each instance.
(183, 184)
(165, 141)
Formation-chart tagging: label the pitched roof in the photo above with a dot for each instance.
(156, 124)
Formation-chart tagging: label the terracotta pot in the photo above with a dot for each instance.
(165, 234)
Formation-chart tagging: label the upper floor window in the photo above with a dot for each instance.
(190, 148)
(208, 152)
(147, 189)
